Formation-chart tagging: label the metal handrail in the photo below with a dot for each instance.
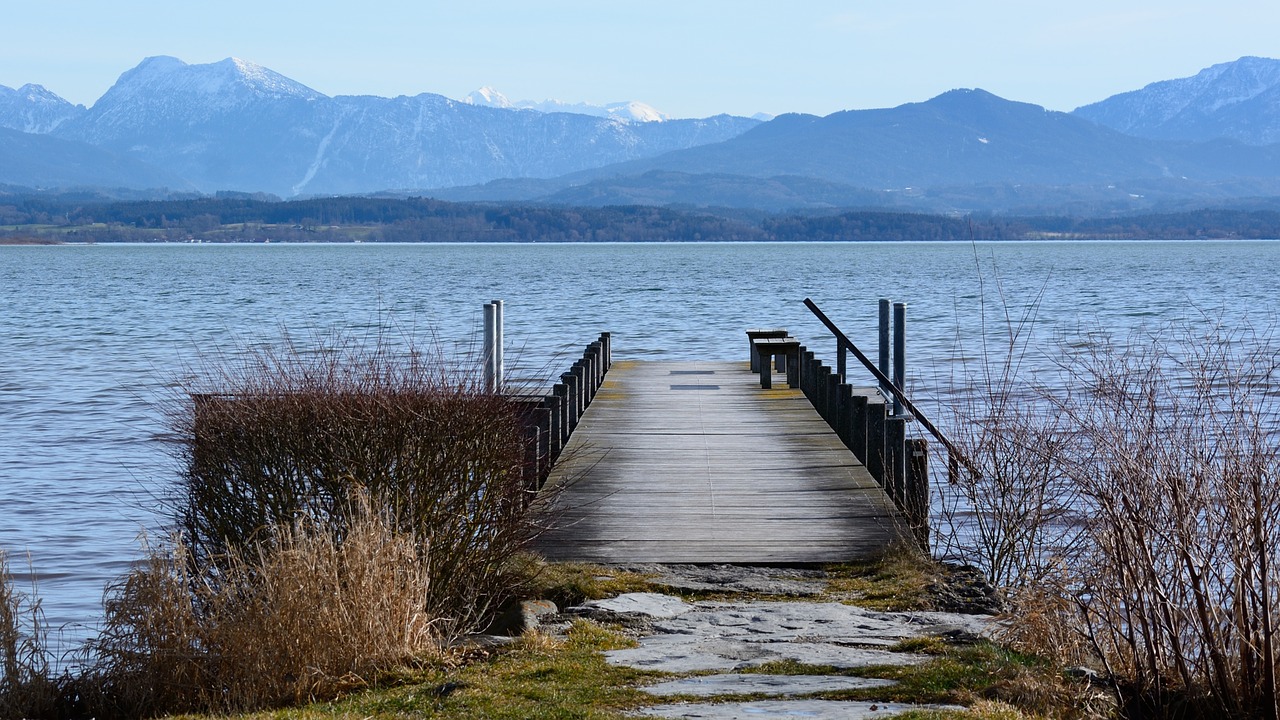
(885, 382)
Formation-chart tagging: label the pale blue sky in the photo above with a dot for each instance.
(686, 58)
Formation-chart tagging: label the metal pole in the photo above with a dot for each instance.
(899, 353)
(490, 335)
(884, 341)
(499, 381)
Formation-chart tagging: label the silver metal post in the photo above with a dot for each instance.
(499, 372)
(899, 352)
(490, 338)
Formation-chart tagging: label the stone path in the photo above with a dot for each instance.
(811, 709)
(725, 637)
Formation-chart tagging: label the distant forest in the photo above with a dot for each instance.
(347, 219)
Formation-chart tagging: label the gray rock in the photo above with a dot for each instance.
(521, 617)
(743, 579)
(651, 604)
(737, 684)
(815, 709)
(731, 636)
(694, 653)
(822, 622)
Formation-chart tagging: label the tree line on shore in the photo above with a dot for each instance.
(345, 219)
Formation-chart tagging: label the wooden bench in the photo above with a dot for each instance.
(754, 334)
(787, 349)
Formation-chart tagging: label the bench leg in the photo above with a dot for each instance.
(766, 371)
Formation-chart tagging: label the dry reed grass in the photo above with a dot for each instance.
(296, 617)
(28, 685)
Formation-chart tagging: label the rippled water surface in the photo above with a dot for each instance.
(89, 336)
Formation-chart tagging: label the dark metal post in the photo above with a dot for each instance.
(561, 391)
(895, 466)
(555, 424)
(842, 359)
(884, 341)
(833, 399)
(808, 374)
(858, 428)
(876, 462)
(899, 352)
(572, 399)
(844, 409)
(490, 354)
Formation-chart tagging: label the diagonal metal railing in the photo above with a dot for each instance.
(957, 456)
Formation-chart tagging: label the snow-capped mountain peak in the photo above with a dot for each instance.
(630, 111)
(487, 97)
(223, 81)
(34, 109)
(1239, 99)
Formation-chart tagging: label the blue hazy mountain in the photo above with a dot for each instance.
(960, 139)
(234, 125)
(239, 126)
(40, 161)
(1238, 100)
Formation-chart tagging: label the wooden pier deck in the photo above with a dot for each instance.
(692, 462)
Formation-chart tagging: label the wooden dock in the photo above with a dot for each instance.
(692, 462)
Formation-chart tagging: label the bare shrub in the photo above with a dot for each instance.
(1175, 456)
(289, 433)
(1006, 506)
(295, 617)
(1130, 506)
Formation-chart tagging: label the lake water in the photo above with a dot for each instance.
(91, 336)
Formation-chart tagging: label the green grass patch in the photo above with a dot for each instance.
(895, 581)
(536, 678)
(997, 682)
(570, 584)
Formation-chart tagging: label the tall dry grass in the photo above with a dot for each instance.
(295, 617)
(29, 686)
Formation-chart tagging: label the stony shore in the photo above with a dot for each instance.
(762, 615)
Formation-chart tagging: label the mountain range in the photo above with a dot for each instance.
(234, 125)
(631, 110)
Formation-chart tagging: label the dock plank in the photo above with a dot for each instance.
(693, 462)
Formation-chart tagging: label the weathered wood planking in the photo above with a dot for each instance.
(693, 462)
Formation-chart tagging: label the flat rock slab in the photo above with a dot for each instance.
(731, 636)
(654, 605)
(782, 685)
(813, 709)
(691, 653)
